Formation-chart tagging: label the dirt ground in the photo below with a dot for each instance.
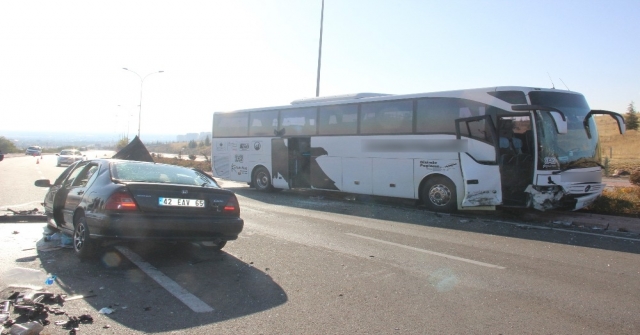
(616, 181)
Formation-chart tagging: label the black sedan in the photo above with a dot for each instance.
(112, 199)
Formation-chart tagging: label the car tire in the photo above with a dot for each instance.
(439, 194)
(84, 247)
(213, 245)
(218, 245)
(262, 180)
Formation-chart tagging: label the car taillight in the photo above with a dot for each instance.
(121, 200)
(232, 206)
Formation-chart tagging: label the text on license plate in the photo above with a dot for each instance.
(180, 202)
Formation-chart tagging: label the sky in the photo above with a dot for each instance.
(61, 62)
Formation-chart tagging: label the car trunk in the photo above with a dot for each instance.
(181, 199)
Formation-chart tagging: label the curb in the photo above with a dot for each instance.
(22, 218)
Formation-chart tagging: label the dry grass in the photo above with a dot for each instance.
(618, 201)
(619, 152)
(622, 151)
(202, 165)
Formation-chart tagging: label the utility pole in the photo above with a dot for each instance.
(320, 51)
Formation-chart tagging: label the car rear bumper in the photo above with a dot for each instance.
(176, 228)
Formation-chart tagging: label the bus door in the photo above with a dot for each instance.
(279, 163)
(516, 157)
(291, 161)
(478, 161)
(299, 162)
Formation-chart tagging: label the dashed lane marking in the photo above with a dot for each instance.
(456, 258)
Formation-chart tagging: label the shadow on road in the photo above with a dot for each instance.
(516, 223)
(230, 286)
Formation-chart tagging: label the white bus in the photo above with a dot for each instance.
(454, 150)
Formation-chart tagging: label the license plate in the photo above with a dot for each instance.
(180, 202)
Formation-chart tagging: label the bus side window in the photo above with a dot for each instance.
(338, 120)
(300, 121)
(389, 117)
(261, 123)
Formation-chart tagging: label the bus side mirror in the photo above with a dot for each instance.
(560, 122)
(619, 119)
(622, 126)
(558, 117)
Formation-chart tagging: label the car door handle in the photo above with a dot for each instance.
(80, 192)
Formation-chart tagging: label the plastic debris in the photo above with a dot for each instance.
(28, 328)
(106, 310)
(66, 240)
(50, 280)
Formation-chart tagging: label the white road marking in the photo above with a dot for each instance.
(470, 261)
(174, 288)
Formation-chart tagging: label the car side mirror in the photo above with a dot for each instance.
(43, 183)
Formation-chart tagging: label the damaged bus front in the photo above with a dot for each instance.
(568, 171)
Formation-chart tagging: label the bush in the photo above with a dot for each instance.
(634, 178)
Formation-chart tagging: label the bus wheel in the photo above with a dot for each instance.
(439, 195)
(262, 180)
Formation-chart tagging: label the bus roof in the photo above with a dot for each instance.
(478, 94)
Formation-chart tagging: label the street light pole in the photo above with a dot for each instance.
(320, 51)
(140, 105)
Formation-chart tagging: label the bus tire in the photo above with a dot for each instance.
(439, 194)
(262, 180)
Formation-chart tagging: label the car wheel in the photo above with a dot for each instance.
(262, 180)
(218, 245)
(439, 194)
(84, 247)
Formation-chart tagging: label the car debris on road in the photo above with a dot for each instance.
(32, 309)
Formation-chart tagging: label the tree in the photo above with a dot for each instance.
(122, 143)
(7, 146)
(631, 119)
(207, 141)
(193, 144)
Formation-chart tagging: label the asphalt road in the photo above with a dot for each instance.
(316, 263)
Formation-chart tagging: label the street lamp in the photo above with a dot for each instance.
(320, 51)
(140, 105)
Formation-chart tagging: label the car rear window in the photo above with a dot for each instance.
(159, 173)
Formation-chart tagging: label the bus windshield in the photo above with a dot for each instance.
(573, 149)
